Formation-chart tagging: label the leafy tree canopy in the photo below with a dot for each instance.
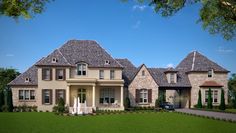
(6, 76)
(216, 16)
(232, 83)
(25, 8)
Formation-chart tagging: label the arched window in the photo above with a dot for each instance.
(82, 69)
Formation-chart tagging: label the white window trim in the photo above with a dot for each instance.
(101, 74)
(141, 95)
(212, 95)
(24, 95)
(86, 69)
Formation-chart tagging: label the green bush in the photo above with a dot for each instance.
(222, 100)
(1, 100)
(199, 102)
(60, 108)
(209, 102)
(4, 108)
(127, 103)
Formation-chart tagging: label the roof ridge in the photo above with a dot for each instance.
(194, 55)
(63, 56)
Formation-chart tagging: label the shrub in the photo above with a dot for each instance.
(1, 100)
(127, 103)
(222, 100)
(199, 102)
(4, 108)
(34, 108)
(9, 100)
(60, 108)
(209, 102)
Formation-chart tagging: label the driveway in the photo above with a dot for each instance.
(219, 115)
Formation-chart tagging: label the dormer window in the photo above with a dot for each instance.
(81, 69)
(27, 79)
(54, 60)
(107, 62)
(172, 78)
(210, 73)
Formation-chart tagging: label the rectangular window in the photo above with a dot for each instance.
(21, 95)
(60, 93)
(107, 95)
(27, 95)
(46, 74)
(32, 95)
(210, 73)
(47, 96)
(81, 69)
(215, 96)
(143, 96)
(172, 78)
(112, 74)
(206, 96)
(101, 74)
(60, 74)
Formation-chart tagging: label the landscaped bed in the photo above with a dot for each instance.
(147, 122)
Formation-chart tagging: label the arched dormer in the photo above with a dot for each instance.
(82, 68)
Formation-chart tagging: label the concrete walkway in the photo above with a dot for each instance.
(219, 115)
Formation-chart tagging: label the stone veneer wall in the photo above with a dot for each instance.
(198, 78)
(140, 82)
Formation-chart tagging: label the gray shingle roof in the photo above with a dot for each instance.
(198, 62)
(75, 51)
(159, 76)
(129, 70)
(31, 73)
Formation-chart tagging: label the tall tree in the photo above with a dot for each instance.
(216, 16)
(199, 102)
(25, 8)
(222, 100)
(9, 100)
(209, 101)
(232, 89)
(1, 100)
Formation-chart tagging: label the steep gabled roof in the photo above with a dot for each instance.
(160, 78)
(129, 70)
(75, 51)
(195, 62)
(31, 73)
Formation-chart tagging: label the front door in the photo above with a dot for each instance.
(82, 95)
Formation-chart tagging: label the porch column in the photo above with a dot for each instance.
(93, 105)
(121, 96)
(68, 95)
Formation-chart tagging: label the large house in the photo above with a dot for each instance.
(82, 69)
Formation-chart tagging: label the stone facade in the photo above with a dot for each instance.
(198, 78)
(143, 81)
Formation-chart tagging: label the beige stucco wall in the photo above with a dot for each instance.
(94, 73)
(197, 79)
(140, 82)
(15, 96)
(53, 85)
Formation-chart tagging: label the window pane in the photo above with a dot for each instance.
(46, 96)
(112, 74)
(27, 95)
(32, 95)
(21, 95)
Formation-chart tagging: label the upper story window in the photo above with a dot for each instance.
(101, 74)
(60, 74)
(46, 74)
(107, 62)
(27, 79)
(172, 78)
(81, 69)
(112, 74)
(143, 73)
(54, 60)
(210, 73)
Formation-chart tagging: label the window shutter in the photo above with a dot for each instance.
(137, 97)
(150, 96)
(43, 75)
(64, 74)
(56, 74)
(43, 96)
(50, 98)
(50, 74)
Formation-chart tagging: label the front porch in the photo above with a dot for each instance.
(95, 95)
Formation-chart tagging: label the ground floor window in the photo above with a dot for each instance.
(26, 94)
(60, 93)
(107, 95)
(214, 94)
(82, 95)
(47, 96)
(143, 96)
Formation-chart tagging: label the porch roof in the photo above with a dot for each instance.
(211, 84)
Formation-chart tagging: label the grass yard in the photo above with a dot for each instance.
(33, 122)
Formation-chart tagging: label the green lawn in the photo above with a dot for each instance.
(34, 122)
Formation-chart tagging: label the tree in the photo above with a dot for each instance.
(161, 97)
(222, 100)
(232, 90)
(1, 100)
(209, 101)
(199, 102)
(127, 103)
(216, 16)
(9, 100)
(25, 8)
(61, 106)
